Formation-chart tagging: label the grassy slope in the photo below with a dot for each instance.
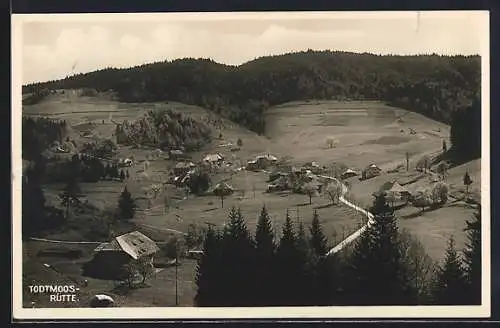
(367, 132)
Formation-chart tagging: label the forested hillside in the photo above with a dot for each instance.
(436, 86)
(165, 128)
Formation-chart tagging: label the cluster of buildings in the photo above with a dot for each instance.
(261, 162)
(183, 170)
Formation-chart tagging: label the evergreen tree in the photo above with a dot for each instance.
(264, 263)
(306, 268)
(472, 259)
(122, 175)
(323, 275)
(451, 283)
(467, 182)
(126, 205)
(114, 172)
(238, 255)
(33, 204)
(208, 272)
(378, 274)
(317, 241)
(288, 263)
(422, 268)
(107, 171)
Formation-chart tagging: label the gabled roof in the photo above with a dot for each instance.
(373, 167)
(134, 244)
(349, 171)
(112, 246)
(184, 165)
(268, 157)
(223, 185)
(137, 245)
(213, 158)
(392, 186)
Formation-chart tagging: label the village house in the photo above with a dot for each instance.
(266, 160)
(252, 165)
(214, 159)
(110, 257)
(371, 171)
(177, 154)
(314, 167)
(280, 183)
(349, 173)
(261, 162)
(394, 191)
(125, 162)
(182, 168)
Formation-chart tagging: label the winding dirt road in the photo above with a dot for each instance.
(359, 232)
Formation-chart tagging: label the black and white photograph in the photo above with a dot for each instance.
(244, 165)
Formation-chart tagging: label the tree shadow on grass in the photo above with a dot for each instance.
(319, 207)
(302, 204)
(419, 212)
(124, 288)
(399, 206)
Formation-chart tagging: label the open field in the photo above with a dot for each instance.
(366, 132)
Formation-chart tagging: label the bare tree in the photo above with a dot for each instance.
(442, 169)
(421, 200)
(310, 190)
(334, 191)
(467, 182)
(331, 142)
(439, 193)
(145, 268)
(222, 190)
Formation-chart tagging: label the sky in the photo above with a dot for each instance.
(55, 46)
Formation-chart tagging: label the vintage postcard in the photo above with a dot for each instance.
(251, 165)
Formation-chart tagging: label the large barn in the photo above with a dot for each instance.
(109, 258)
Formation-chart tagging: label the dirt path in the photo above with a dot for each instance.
(357, 233)
(64, 241)
(163, 229)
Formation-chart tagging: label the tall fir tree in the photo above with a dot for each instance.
(451, 284)
(264, 262)
(318, 240)
(472, 259)
(322, 269)
(126, 206)
(33, 203)
(208, 278)
(305, 268)
(114, 172)
(288, 263)
(238, 254)
(378, 274)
